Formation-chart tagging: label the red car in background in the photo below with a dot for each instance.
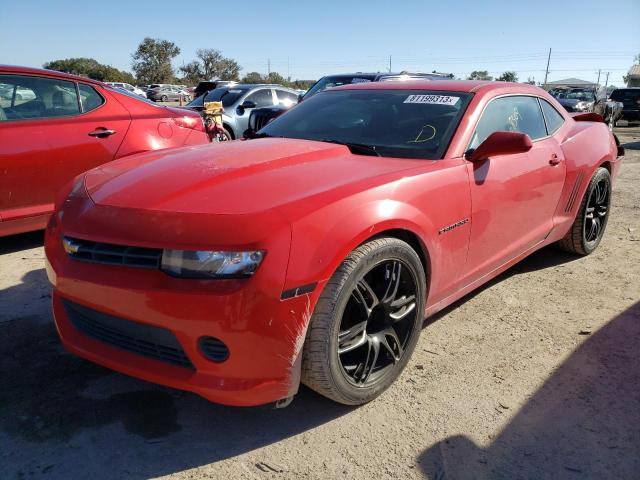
(315, 251)
(54, 126)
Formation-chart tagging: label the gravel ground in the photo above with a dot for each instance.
(536, 375)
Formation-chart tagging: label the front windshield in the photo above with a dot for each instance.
(336, 81)
(395, 123)
(228, 96)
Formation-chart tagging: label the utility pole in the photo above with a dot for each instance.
(606, 84)
(268, 67)
(546, 73)
(389, 63)
(598, 82)
(288, 70)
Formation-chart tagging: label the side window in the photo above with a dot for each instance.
(510, 114)
(262, 98)
(25, 97)
(552, 117)
(285, 98)
(89, 98)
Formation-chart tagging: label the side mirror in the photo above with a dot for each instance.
(500, 143)
(300, 97)
(247, 104)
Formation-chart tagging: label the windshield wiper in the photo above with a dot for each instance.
(357, 148)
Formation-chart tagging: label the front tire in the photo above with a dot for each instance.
(588, 227)
(366, 322)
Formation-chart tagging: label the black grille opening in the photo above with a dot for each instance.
(213, 349)
(107, 253)
(153, 342)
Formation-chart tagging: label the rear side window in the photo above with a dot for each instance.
(510, 114)
(551, 116)
(285, 98)
(262, 98)
(89, 98)
(24, 97)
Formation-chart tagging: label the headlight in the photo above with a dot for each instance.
(211, 264)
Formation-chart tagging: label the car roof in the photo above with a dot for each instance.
(444, 85)
(49, 73)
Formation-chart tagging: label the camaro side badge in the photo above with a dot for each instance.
(452, 226)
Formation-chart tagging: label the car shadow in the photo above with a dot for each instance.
(632, 145)
(22, 241)
(584, 422)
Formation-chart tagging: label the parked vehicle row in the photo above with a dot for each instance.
(587, 100)
(54, 126)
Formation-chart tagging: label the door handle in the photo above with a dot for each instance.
(554, 160)
(101, 132)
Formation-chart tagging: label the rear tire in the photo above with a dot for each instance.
(588, 227)
(352, 352)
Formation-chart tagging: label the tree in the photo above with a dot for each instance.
(636, 59)
(152, 60)
(480, 75)
(508, 77)
(216, 65)
(192, 73)
(89, 67)
(253, 77)
(275, 77)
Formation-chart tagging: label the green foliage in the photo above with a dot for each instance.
(275, 77)
(508, 77)
(152, 60)
(531, 81)
(211, 65)
(89, 67)
(480, 75)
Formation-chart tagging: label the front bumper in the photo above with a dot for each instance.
(263, 333)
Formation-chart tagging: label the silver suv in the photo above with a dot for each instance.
(239, 101)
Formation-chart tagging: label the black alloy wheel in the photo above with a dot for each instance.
(366, 322)
(587, 229)
(377, 322)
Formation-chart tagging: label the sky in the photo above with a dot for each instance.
(306, 40)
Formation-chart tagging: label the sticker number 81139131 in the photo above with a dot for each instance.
(432, 99)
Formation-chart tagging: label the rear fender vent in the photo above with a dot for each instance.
(574, 192)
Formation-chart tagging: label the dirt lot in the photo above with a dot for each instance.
(537, 375)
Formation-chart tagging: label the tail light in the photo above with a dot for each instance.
(193, 123)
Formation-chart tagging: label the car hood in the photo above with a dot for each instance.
(240, 177)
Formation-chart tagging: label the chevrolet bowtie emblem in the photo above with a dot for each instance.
(70, 246)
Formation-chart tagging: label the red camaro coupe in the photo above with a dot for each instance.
(54, 126)
(314, 252)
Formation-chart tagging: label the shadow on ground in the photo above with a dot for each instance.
(559, 432)
(23, 241)
(63, 417)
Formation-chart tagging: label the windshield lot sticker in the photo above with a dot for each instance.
(432, 99)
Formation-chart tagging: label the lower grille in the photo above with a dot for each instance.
(153, 342)
(111, 254)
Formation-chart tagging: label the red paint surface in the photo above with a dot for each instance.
(308, 204)
(38, 157)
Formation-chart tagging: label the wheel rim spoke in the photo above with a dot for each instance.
(392, 277)
(370, 362)
(365, 296)
(389, 340)
(404, 305)
(353, 337)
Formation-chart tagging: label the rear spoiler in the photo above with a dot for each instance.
(587, 117)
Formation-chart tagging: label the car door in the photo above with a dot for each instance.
(65, 128)
(514, 196)
(262, 97)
